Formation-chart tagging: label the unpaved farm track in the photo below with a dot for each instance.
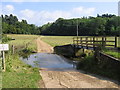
(43, 47)
(69, 79)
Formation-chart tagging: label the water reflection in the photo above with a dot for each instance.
(49, 61)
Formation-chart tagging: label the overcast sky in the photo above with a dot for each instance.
(39, 13)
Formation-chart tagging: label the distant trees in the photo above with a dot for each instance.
(11, 25)
(105, 24)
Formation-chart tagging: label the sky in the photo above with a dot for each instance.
(39, 13)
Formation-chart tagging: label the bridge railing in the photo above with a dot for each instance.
(96, 41)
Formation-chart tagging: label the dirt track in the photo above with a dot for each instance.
(70, 79)
(43, 47)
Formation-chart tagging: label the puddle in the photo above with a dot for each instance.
(48, 61)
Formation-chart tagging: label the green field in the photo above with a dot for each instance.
(57, 40)
(21, 41)
(18, 74)
(63, 40)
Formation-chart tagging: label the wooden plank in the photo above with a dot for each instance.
(109, 45)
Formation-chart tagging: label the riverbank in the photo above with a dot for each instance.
(18, 74)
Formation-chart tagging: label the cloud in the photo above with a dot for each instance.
(45, 16)
(27, 13)
(83, 11)
(8, 9)
(0, 9)
(42, 17)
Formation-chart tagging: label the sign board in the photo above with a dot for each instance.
(4, 47)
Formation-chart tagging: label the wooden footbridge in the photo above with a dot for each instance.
(93, 42)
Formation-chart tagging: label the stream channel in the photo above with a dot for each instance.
(49, 62)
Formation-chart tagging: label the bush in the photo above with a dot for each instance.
(5, 38)
(86, 63)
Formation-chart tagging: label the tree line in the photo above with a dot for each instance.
(105, 24)
(11, 25)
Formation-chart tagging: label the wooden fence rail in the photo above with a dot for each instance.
(94, 42)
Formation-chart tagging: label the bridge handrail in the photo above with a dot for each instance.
(94, 41)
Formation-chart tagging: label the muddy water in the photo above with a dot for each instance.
(49, 61)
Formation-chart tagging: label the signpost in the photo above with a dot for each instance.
(3, 47)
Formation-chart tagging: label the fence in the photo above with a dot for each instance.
(94, 42)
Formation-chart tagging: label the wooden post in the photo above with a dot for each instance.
(115, 41)
(74, 45)
(77, 41)
(93, 42)
(102, 41)
(81, 41)
(13, 49)
(105, 41)
(83, 50)
(86, 42)
(3, 60)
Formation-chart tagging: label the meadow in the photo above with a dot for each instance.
(57, 40)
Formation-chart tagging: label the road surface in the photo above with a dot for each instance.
(69, 77)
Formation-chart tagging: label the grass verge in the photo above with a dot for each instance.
(18, 74)
(112, 53)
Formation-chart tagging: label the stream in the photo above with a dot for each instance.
(49, 61)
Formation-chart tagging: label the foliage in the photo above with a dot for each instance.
(5, 38)
(100, 25)
(90, 64)
(105, 24)
(11, 25)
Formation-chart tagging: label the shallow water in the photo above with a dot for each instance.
(49, 61)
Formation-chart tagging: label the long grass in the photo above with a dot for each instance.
(23, 41)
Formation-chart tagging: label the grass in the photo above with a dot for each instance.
(62, 40)
(112, 53)
(18, 74)
(57, 40)
(0, 74)
(23, 41)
